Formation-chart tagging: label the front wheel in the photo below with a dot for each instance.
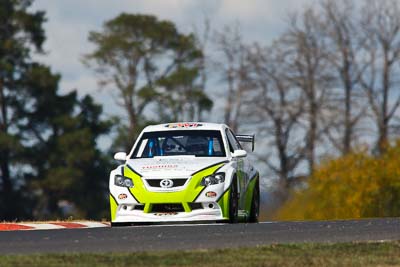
(255, 204)
(233, 203)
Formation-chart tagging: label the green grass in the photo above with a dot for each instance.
(349, 254)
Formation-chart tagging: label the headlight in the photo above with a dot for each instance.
(123, 181)
(216, 178)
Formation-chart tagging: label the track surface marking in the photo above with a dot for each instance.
(50, 225)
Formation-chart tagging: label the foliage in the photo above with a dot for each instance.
(182, 98)
(63, 129)
(353, 186)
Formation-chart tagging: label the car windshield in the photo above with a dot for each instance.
(199, 143)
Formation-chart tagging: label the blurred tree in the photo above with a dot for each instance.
(183, 98)
(342, 31)
(276, 107)
(148, 61)
(381, 27)
(310, 72)
(21, 33)
(232, 64)
(202, 39)
(48, 149)
(60, 148)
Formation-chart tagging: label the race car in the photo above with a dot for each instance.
(185, 172)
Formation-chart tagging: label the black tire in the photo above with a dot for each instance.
(255, 205)
(233, 203)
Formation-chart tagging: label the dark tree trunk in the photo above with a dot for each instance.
(384, 120)
(312, 136)
(7, 188)
(348, 125)
(6, 185)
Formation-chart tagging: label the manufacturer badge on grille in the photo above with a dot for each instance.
(166, 183)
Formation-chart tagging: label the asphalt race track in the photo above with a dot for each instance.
(178, 237)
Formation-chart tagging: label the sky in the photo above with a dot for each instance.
(69, 23)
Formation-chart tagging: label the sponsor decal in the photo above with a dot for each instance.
(122, 196)
(211, 194)
(166, 183)
(165, 213)
(183, 125)
(157, 167)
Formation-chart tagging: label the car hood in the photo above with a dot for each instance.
(166, 167)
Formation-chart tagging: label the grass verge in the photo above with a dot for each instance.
(347, 254)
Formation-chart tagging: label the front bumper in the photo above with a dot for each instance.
(125, 214)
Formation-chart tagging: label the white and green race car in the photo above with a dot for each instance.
(181, 172)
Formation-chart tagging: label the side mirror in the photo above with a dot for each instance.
(120, 156)
(239, 154)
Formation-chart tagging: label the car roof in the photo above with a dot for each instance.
(173, 126)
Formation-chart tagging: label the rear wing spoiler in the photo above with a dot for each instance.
(247, 138)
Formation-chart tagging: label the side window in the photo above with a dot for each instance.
(229, 141)
(236, 141)
(233, 143)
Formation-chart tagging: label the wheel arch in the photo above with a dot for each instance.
(253, 183)
(230, 173)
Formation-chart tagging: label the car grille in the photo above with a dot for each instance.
(138, 207)
(156, 182)
(167, 208)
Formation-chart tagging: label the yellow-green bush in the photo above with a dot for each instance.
(354, 186)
